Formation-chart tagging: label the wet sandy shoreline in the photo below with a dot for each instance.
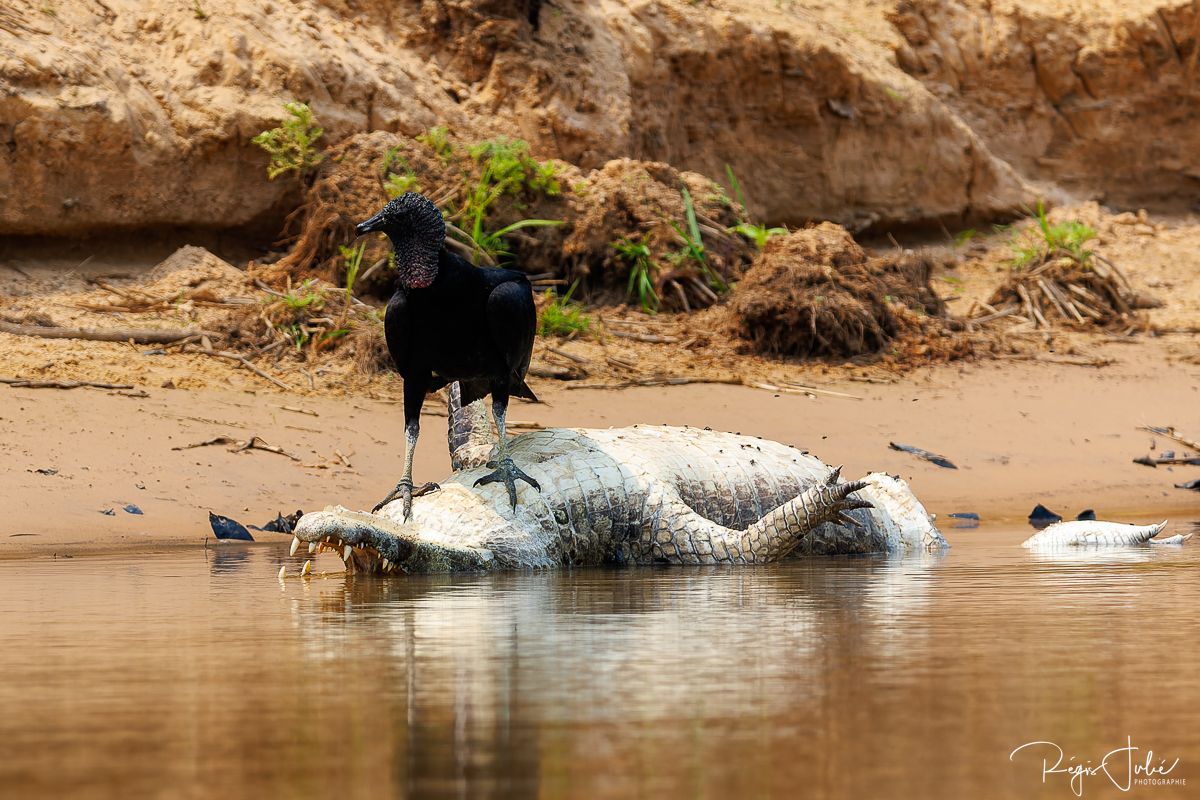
(1020, 433)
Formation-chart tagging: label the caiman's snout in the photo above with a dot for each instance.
(375, 223)
(374, 544)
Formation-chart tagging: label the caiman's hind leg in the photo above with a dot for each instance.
(505, 469)
(682, 536)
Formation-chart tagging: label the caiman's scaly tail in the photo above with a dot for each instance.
(683, 536)
(470, 433)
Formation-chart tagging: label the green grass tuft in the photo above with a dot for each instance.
(1060, 239)
(561, 316)
(437, 139)
(642, 271)
(292, 145)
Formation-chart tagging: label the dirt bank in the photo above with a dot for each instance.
(138, 115)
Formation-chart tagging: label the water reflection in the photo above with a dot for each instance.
(849, 677)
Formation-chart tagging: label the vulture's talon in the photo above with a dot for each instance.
(508, 473)
(403, 490)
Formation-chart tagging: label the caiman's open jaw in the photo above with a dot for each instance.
(371, 543)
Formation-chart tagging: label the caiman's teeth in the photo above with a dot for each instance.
(307, 568)
(295, 545)
(312, 548)
(385, 565)
(283, 570)
(346, 553)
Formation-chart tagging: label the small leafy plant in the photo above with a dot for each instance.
(437, 139)
(292, 144)
(562, 317)
(641, 272)
(304, 297)
(505, 168)
(493, 243)
(694, 243)
(759, 234)
(1060, 239)
(398, 176)
(353, 258)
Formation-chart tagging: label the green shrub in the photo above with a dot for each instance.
(1060, 239)
(291, 145)
(641, 272)
(561, 316)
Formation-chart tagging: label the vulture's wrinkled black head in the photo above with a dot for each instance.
(417, 230)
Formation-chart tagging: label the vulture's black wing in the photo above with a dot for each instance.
(512, 321)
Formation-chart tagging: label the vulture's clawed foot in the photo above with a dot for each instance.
(404, 489)
(509, 473)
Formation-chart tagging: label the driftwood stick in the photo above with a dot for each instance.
(652, 338)
(257, 443)
(571, 356)
(1053, 300)
(208, 442)
(25, 383)
(679, 293)
(371, 270)
(1170, 433)
(240, 360)
(543, 370)
(678, 380)
(995, 315)
(139, 335)
(805, 388)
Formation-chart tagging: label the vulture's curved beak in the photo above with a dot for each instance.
(375, 223)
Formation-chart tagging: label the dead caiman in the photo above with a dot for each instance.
(637, 495)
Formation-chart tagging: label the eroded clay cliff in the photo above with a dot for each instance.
(136, 114)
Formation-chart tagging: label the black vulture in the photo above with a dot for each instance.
(452, 321)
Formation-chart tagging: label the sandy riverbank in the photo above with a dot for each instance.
(1020, 433)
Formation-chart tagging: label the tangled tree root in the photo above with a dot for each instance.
(1065, 290)
(815, 293)
(625, 200)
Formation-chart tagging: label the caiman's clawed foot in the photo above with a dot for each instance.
(404, 489)
(510, 473)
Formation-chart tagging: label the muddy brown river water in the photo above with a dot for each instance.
(197, 673)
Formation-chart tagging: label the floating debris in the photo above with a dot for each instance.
(1042, 517)
(1193, 485)
(226, 528)
(965, 519)
(44, 471)
(933, 458)
(282, 524)
(130, 508)
(108, 512)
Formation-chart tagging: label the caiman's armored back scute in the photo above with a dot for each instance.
(634, 495)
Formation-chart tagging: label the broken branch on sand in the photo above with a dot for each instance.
(554, 371)
(240, 359)
(1193, 461)
(660, 381)
(649, 338)
(253, 443)
(1170, 433)
(139, 335)
(298, 410)
(25, 383)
